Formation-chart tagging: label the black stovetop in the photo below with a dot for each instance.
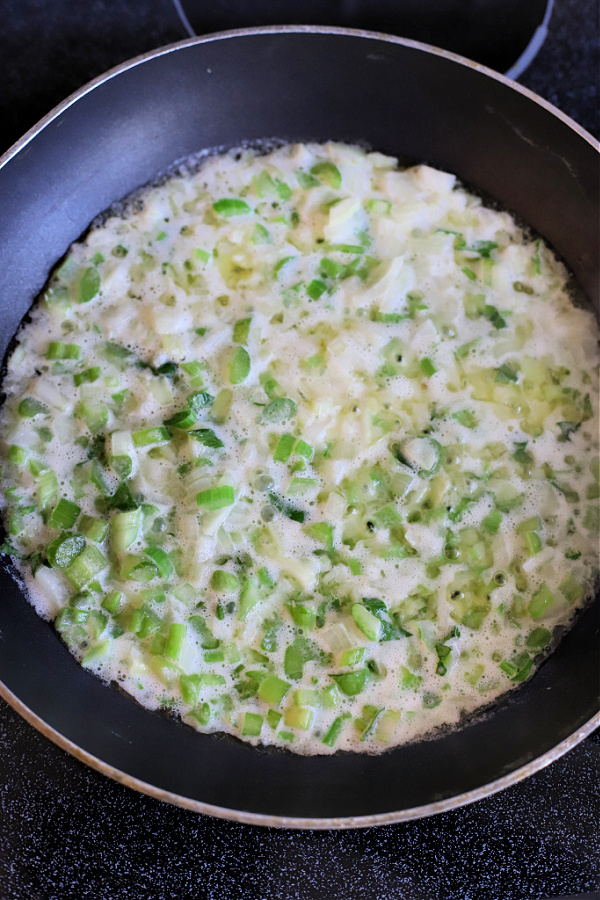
(69, 832)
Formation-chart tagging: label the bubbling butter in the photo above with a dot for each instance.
(304, 447)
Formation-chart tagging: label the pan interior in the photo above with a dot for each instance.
(392, 97)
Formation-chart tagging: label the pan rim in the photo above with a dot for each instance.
(264, 820)
(241, 816)
(288, 29)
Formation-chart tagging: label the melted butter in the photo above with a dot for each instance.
(445, 298)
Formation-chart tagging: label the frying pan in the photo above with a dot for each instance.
(292, 83)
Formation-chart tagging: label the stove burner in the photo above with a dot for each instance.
(502, 34)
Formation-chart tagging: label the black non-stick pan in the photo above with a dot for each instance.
(292, 83)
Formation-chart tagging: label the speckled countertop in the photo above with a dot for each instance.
(69, 832)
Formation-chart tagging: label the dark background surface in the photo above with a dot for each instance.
(65, 830)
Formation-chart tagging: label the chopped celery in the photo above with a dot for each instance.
(216, 498)
(252, 724)
(64, 514)
(241, 329)
(369, 624)
(230, 206)
(175, 641)
(279, 410)
(316, 289)
(284, 447)
(189, 685)
(328, 172)
(541, 601)
(298, 717)
(351, 683)
(239, 366)
(224, 581)
(150, 436)
(124, 529)
(30, 407)
(89, 285)
(273, 689)
(87, 564)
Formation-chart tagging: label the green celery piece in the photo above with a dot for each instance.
(427, 367)
(60, 350)
(284, 447)
(150, 436)
(466, 418)
(249, 597)
(207, 640)
(369, 624)
(273, 689)
(506, 374)
(533, 542)
(306, 697)
(352, 657)
(97, 653)
(431, 700)
(189, 685)
(273, 719)
(316, 288)
(221, 405)
(306, 181)
(195, 371)
(298, 717)
(224, 581)
(87, 377)
(85, 566)
(124, 529)
(299, 652)
(183, 419)
(571, 589)
(542, 599)
(538, 638)
(241, 329)
(263, 184)
(260, 235)
(328, 172)
(492, 521)
(303, 449)
(162, 560)
(64, 549)
(89, 285)
(230, 206)
(47, 488)
(239, 366)
(279, 410)
(408, 679)
(202, 714)
(302, 615)
(64, 515)
(351, 683)
(216, 498)
(331, 269)
(335, 730)
(321, 532)
(175, 641)
(252, 724)
(112, 601)
(30, 407)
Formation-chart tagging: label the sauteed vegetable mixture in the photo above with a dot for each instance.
(305, 448)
